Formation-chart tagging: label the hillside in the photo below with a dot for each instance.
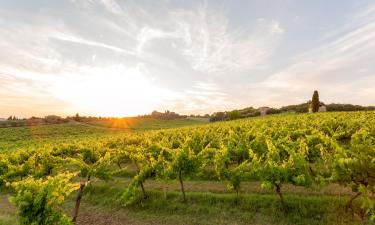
(38, 135)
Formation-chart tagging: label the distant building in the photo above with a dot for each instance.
(263, 110)
(322, 108)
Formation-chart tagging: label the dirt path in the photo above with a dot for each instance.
(5, 207)
(97, 215)
(247, 187)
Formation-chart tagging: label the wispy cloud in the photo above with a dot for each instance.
(194, 56)
(341, 69)
(80, 40)
(202, 97)
(110, 5)
(209, 45)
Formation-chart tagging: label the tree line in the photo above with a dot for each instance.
(314, 104)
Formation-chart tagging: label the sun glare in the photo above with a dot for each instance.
(120, 123)
(114, 91)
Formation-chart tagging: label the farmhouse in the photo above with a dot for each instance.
(263, 110)
(322, 108)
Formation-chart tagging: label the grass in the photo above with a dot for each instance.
(210, 203)
(247, 187)
(214, 208)
(8, 220)
(207, 203)
(7, 216)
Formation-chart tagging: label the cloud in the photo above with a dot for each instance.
(147, 34)
(202, 98)
(112, 6)
(195, 57)
(54, 48)
(19, 94)
(208, 44)
(79, 40)
(341, 69)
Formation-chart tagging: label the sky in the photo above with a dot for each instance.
(130, 57)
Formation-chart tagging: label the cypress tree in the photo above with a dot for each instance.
(315, 102)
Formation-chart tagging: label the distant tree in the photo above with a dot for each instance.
(235, 114)
(76, 117)
(333, 107)
(10, 118)
(315, 102)
(273, 111)
(218, 116)
(300, 108)
(167, 115)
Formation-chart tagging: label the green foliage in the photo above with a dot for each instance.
(232, 162)
(233, 115)
(39, 200)
(91, 161)
(355, 167)
(132, 193)
(303, 150)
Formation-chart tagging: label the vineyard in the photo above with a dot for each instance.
(267, 165)
(54, 134)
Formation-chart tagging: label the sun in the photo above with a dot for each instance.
(110, 91)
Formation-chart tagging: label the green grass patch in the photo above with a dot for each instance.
(8, 220)
(213, 208)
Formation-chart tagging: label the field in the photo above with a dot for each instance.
(33, 136)
(282, 169)
(146, 123)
